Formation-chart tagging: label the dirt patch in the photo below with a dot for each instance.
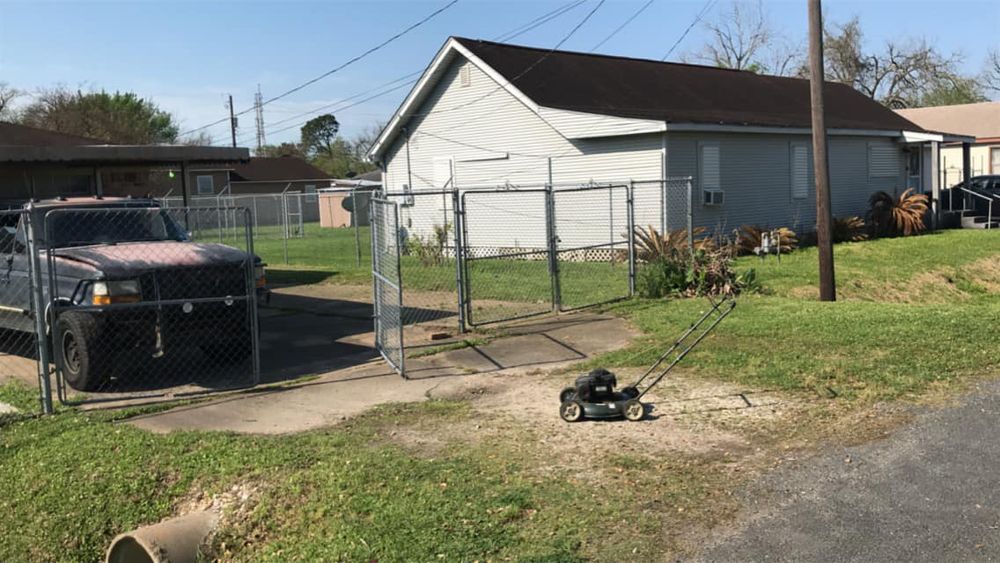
(687, 415)
(985, 273)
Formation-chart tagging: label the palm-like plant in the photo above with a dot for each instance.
(750, 237)
(650, 244)
(891, 216)
(849, 229)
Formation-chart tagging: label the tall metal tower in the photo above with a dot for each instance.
(258, 106)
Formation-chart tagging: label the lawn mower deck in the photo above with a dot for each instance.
(593, 395)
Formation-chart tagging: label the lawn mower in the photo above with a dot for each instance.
(593, 395)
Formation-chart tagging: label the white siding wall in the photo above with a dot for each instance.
(494, 139)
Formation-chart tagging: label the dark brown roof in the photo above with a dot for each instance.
(373, 176)
(12, 134)
(276, 169)
(676, 93)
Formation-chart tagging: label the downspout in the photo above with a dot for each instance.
(409, 174)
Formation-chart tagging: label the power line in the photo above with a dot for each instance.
(622, 26)
(338, 68)
(540, 20)
(524, 28)
(697, 18)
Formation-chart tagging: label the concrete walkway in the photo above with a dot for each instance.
(930, 492)
(547, 342)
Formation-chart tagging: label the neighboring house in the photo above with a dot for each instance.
(272, 175)
(981, 121)
(492, 114)
(41, 164)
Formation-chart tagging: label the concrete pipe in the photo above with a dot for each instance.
(177, 540)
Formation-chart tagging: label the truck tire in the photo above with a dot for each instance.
(78, 351)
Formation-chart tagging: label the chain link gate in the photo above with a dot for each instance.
(387, 288)
(507, 263)
(593, 245)
(138, 306)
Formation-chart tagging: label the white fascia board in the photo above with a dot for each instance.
(920, 137)
(581, 125)
(712, 128)
(430, 75)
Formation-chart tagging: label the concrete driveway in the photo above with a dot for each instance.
(930, 492)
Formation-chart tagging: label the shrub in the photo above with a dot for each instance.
(429, 251)
(891, 216)
(750, 237)
(650, 244)
(703, 272)
(849, 229)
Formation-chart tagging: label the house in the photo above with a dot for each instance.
(36, 163)
(981, 121)
(494, 114)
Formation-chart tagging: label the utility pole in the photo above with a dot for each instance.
(232, 120)
(258, 104)
(821, 169)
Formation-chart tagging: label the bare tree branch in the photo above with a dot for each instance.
(742, 39)
(7, 96)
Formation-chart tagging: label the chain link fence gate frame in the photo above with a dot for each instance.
(166, 314)
(387, 287)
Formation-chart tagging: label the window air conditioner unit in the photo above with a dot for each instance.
(713, 197)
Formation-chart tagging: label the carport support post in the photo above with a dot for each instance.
(40, 311)
(935, 174)
(690, 216)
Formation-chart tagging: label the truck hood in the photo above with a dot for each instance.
(133, 258)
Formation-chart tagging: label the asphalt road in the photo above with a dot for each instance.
(929, 492)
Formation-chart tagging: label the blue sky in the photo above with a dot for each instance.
(187, 56)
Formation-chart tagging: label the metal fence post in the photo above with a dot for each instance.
(690, 215)
(630, 222)
(357, 224)
(252, 285)
(458, 225)
(399, 292)
(40, 311)
(553, 239)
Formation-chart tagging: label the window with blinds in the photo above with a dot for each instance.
(711, 177)
(800, 170)
(883, 160)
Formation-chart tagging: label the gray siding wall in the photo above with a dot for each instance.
(756, 178)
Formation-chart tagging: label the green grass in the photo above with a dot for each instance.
(890, 336)
(74, 480)
(329, 256)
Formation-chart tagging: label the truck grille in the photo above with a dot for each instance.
(195, 283)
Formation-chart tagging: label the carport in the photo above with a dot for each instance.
(36, 163)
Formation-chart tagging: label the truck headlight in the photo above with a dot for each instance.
(111, 292)
(260, 275)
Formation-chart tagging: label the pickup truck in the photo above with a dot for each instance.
(129, 286)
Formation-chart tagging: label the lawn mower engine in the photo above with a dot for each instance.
(598, 385)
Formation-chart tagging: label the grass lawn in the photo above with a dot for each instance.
(914, 312)
(918, 313)
(329, 256)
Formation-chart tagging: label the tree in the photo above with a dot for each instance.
(319, 134)
(742, 39)
(7, 95)
(991, 76)
(284, 149)
(120, 118)
(909, 73)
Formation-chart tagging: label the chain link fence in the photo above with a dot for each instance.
(387, 238)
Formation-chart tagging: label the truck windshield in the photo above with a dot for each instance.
(82, 227)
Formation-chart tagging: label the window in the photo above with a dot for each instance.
(883, 160)
(709, 167)
(206, 185)
(800, 170)
(311, 193)
(995, 160)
